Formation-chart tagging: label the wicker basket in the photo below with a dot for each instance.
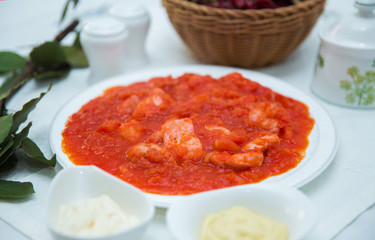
(243, 38)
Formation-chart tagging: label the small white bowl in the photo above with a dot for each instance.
(282, 204)
(77, 183)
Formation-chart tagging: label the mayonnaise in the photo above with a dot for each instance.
(241, 224)
(93, 217)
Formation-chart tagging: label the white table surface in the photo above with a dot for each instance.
(24, 23)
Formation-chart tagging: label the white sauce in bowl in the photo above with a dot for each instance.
(94, 217)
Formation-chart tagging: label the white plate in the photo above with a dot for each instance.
(322, 140)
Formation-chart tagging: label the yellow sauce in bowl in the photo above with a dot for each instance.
(241, 224)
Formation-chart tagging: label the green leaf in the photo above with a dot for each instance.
(11, 61)
(353, 71)
(10, 84)
(33, 151)
(4, 149)
(64, 11)
(373, 63)
(76, 57)
(55, 74)
(358, 92)
(48, 55)
(360, 80)
(77, 41)
(320, 61)
(19, 137)
(9, 165)
(369, 99)
(15, 189)
(345, 84)
(350, 98)
(7, 87)
(370, 75)
(6, 123)
(369, 89)
(17, 140)
(75, 2)
(21, 116)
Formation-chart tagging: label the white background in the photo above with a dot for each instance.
(25, 23)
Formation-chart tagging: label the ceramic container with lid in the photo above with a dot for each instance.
(104, 42)
(137, 20)
(345, 69)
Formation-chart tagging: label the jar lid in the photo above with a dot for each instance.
(127, 10)
(355, 31)
(104, 27)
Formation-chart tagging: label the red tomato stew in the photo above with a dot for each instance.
(193, 133)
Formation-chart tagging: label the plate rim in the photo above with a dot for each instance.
(324, 129)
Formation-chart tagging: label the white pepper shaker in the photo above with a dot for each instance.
(104, 42)
(137, 20)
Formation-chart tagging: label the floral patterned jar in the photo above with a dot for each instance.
(345, 69)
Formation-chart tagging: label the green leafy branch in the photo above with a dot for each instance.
(10, 141)
(361, 88)
(48, 61)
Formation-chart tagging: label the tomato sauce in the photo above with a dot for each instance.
(193, 133)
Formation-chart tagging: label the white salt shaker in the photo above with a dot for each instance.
(137, 20)
(104, 42)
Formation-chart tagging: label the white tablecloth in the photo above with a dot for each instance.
(341, 193)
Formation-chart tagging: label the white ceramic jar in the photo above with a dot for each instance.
(104, 42)
(345, 69)
(137, 20)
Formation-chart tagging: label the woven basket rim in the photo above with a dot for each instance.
(242, 38)
(245, 13)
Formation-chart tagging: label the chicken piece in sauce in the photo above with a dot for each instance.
(152, 104)
(262, 116)
(237, 161)
(132, 130)
(228, 154)
(127, 106)
(261, 143)
(147, 153)
(178, 137)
